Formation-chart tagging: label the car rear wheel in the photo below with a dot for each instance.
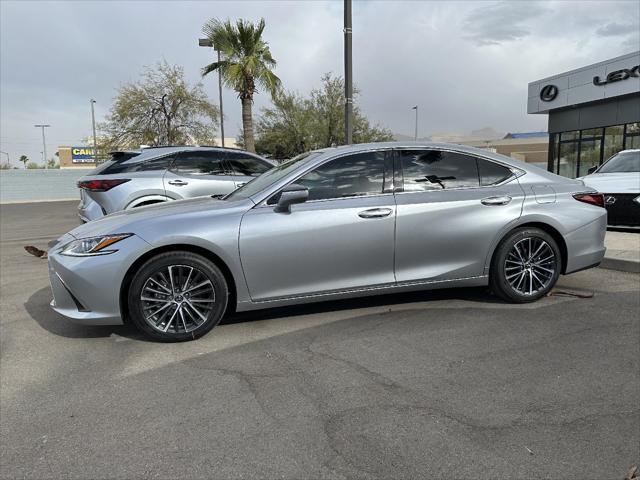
(177, 296)
(525, 266)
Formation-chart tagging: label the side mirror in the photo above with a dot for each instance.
(289, 195)
(591, 170)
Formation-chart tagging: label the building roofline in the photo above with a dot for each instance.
(588, 67)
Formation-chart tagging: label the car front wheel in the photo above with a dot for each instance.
(525, 266)
(177, 296)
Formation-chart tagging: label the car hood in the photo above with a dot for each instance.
(626, 182)
(129, 221)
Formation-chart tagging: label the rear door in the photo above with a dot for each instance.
(198, 173)
(450, 210)
(245, 167)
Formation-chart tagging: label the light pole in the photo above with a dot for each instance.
(44, 143)
(415, 133)
(8, 160)
(93, 124)
(206, 42)
(348, 75)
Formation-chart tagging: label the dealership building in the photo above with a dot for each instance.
(594, 112)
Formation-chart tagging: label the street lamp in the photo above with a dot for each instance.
(93, 124)
(206, 42)
(415, 133)
(44, 143)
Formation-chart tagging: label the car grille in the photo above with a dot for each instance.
(623, 211)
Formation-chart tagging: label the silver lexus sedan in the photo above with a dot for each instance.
(334, 223)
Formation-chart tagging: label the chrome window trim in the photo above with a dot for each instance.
(517, 172)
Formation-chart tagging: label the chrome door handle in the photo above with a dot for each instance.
(375, 213)
(178, 183)
(492, 201)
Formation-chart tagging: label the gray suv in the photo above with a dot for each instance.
(153, 175)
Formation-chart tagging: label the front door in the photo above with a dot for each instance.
(452, 207)
(342, 238)
(198, 173)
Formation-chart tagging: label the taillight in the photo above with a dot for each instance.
(596, 199)
(101, 185)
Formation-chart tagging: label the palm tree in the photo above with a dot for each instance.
(24, 159)
(247, 64)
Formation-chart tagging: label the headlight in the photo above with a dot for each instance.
(86, 247)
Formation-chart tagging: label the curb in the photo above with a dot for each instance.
(620, 265)
(49, 200)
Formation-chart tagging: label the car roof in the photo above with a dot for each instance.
(153, 152)
(360, 147)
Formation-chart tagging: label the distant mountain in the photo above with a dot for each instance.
(409, 138)
(482, 134)
(486, 133)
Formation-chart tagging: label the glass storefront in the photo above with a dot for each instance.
(575, 152)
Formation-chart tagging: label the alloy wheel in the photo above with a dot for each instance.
(530, 266)
(177, 299)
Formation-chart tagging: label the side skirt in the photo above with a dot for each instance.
(364, 292)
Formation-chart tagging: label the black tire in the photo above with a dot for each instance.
(509, 260)
(213, 296)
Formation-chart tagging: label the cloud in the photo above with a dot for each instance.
(501, 22)
(616, 29)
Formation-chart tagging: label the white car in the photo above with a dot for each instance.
(619, 180)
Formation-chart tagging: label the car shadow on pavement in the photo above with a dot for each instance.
(38, 308)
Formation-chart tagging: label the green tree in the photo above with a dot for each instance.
(246, 65)
(24, 159)
(160, 109)
(295, 124)
(33, 166)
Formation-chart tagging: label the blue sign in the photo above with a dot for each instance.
(82, 155)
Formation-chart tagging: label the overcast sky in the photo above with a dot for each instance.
(466, 64)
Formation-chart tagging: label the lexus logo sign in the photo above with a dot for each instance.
(609, 200)
(548, 93)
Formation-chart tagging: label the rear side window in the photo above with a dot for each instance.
(200, 163)
(426, 170)
(247, 165)
(491, 173)
(150, 165)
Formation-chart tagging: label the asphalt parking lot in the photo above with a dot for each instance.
(441, 384)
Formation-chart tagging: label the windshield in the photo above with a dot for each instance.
(622, 162)
(270, 177)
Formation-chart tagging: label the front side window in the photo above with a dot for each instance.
(355, 175)
(426, 170)
(272, 176)
(247, 165)
(200, 163)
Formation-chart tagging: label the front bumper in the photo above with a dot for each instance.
(87, 289)
(623, 210)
